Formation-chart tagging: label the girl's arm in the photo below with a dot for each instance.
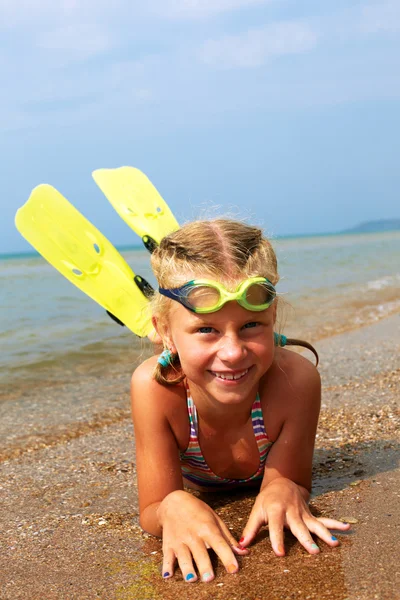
(188, 526)
(157, 458)
(285, 490)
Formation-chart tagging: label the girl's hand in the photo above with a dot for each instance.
(190, 528)
(281, 504)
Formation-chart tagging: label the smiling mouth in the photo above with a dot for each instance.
(230, 376)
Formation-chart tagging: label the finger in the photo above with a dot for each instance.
(203, 562)
(231, 540)
(224, 552)
(256, 520)
(299, 530)
(186, 564)
(322, 532)
(333, 524)
(319, 528)
(276, 536)
(168, 565)
(240, 551)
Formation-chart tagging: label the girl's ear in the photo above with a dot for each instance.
(155, 323)
(154, 336)
(162, 334)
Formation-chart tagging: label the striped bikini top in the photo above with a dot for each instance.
(193, 465)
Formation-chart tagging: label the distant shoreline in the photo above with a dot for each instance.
(381, 226)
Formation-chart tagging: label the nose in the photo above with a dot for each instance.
(232, 349)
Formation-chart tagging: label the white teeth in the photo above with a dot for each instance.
(229, 376)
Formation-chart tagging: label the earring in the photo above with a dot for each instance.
(280, 339)
(165, 357)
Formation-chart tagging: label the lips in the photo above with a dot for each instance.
(226, 376)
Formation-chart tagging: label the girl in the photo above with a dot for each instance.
(224, 406)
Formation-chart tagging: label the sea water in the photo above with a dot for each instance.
(49, 330)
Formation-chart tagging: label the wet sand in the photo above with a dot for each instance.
(68, 524)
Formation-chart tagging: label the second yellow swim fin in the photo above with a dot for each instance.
(69, 242)
(138, 203)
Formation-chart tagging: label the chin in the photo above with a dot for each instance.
(232, 392)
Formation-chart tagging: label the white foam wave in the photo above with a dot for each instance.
(378, 312)
(379, 284)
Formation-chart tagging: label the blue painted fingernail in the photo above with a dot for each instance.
(189, 577)
(166, 574)
(334, 539)
(314, 547)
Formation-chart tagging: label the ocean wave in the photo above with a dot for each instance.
(58, 364)
(377, 312)
(379, 284)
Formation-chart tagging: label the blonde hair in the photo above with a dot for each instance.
(222, 249)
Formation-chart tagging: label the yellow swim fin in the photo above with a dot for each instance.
(138, 203)
(71, 244)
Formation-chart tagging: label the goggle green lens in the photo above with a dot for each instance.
(204, 296)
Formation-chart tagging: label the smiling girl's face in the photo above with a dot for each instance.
(225, 353)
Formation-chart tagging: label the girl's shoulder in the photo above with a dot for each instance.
(299, 369)
(289, 392)
(291, 378)
(146, 390)
(143, 374)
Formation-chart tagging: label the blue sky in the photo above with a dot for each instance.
(284, 112)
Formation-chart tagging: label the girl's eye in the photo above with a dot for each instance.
(205, 329)
(250, 325)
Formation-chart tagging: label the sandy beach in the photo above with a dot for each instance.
(68, 524)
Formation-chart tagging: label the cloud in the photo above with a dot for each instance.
(255, 47)
(382, 17)
(17, 13)
(47, 14)
(14, 13)
(194, 9)
(45, 95)
(78, 41)
(85, 61)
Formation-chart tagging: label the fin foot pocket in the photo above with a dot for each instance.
(149, 243)
(144, 286)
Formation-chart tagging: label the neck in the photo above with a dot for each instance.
(217, 415)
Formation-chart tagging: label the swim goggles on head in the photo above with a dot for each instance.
(205, 296)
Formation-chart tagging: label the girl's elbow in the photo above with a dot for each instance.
(149, 525)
